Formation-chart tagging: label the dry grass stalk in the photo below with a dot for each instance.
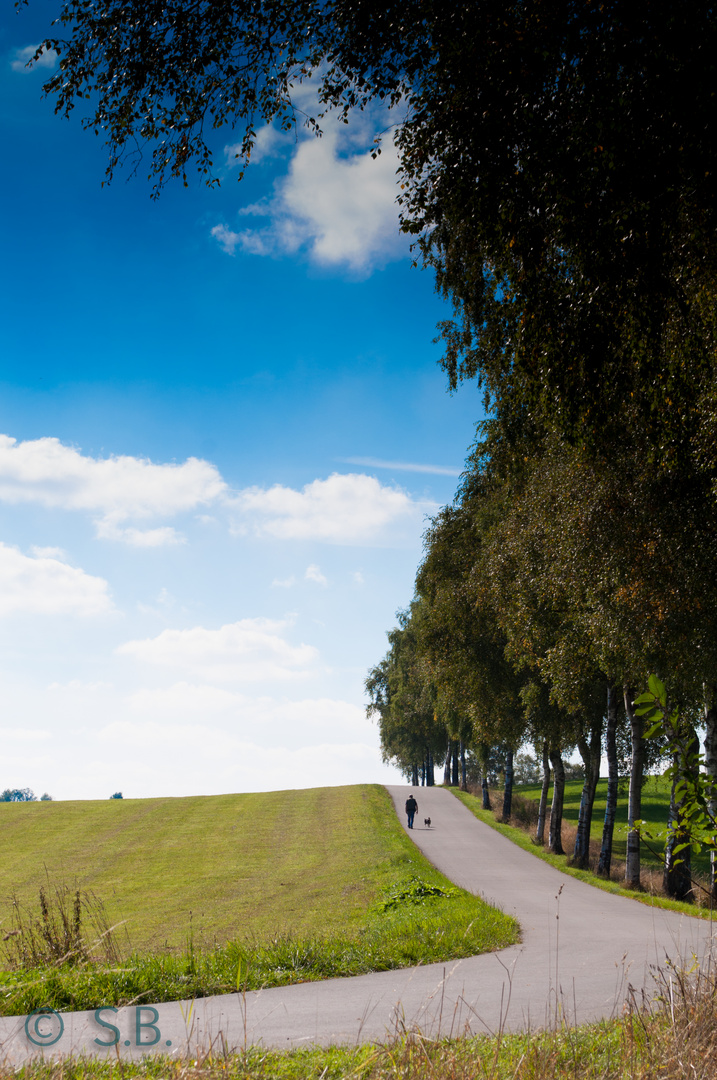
(69, 927)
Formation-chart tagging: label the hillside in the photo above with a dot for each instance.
(260, 862)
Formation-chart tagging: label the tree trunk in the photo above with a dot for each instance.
(424, 773)
(711, 770)
(447, 766)
(508, 789)
(634, 808)
(612, 782)
(543, 804)
(456, 779)
(464, 785)
(414, 777)
(677, 877)
(555, 838)
(430, 779)
(485, 791)
(590, 753)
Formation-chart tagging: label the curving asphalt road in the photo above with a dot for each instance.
(583, 952)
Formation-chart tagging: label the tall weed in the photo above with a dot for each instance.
(69, 927)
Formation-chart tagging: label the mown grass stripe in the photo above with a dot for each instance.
(283, 887)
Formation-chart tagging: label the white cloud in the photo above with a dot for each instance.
(199, 757)
(117, 488)
(195, 703)
(208, 739)
(246, 651)
(313, 573)
(164, 601)
(47, 586)
(76, 685)
(21, 58)
(403, 466)
(337, 202)
(269, 141)
(226, 239)
(283, 583)
(161, 537)
(357, 577)
(49, 552)
(8, 734)
(343, 509)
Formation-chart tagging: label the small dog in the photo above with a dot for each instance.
(427, 822)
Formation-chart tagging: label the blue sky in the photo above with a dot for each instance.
(223, 426)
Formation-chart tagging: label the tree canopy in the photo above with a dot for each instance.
(18, 795)
(558, 167)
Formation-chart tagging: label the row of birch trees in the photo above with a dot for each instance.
(554, 585)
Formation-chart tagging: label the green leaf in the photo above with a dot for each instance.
(656, 729)
(657, 688)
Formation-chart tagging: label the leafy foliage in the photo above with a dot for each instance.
(693, 789)
(413, 891)
(402, 694)
(18, 795)
(563, 188)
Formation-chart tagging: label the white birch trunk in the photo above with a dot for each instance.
(508, 789)
(555, 835)
(590, 753)
(711, 770)
(634, 808)
(612, 783)
(543, 805)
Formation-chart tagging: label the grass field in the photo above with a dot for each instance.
(655, 805)
(286, 861)
(250, 890)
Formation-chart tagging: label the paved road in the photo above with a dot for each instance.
(582, 950)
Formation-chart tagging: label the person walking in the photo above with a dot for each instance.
(411, 808)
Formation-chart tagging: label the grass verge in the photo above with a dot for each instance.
(638, 1047)
(385, 908)
(561, 862)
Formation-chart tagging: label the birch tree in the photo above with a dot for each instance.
(605, 860)
(402, 698)
(459, 635)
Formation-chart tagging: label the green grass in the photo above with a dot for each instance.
(655, 807)
(283, 887)
(560, 862)
(287, 861)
